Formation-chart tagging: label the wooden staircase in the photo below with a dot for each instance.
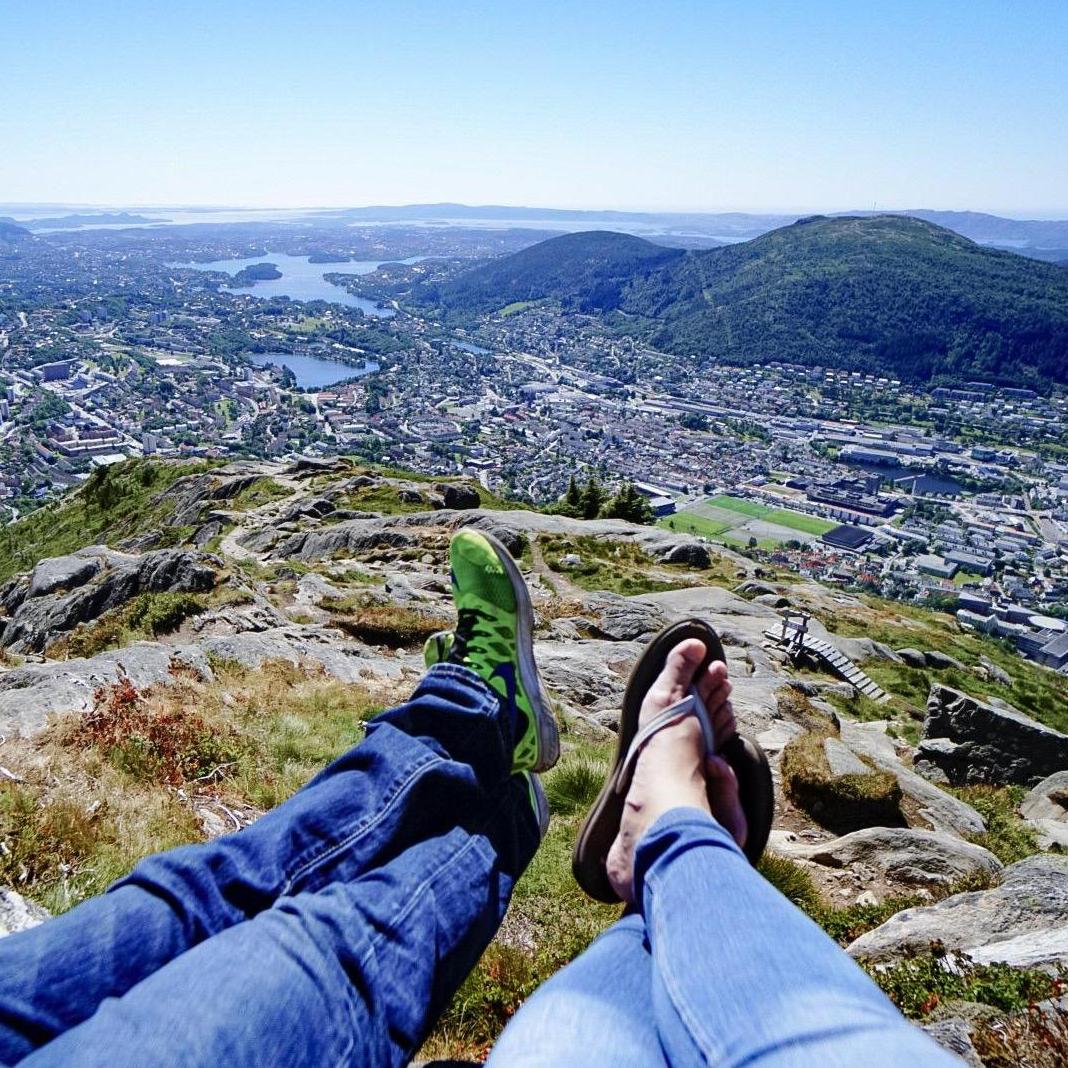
(840, 664)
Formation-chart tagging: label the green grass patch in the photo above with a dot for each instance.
(515, 308)
(693, 523)
(841, 803)
(1035, 690)
(807, 524)
(753, 509)
(115, 502)
(262, 491)
(616, 566)
(148, 615)
(1008, 836)
(919, 984)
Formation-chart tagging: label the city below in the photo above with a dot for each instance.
(227, 341)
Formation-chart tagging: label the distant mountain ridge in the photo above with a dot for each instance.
(886, 293)
(1042, 238)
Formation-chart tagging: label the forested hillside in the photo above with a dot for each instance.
(881, 293)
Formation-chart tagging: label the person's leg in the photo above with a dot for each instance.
(355, 973)
(422, 767)
(742, 977)
(595, 1012)
(488, 719)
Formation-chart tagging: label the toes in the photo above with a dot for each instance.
(675, 679)
(726, 804)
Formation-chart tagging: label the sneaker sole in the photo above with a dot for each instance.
(548, 732)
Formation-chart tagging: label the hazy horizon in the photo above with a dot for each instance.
(31, 209)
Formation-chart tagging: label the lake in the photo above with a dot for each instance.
(312, 372)
(302, 280)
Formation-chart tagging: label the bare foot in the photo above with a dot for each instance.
(670, 771)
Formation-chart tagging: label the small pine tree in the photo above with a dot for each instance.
(573, 497)
(593, 497)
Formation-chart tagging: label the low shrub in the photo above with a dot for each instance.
(172, 746)
(573, 786)
(1007, 835)
(841, 803)
(392, 625)
(1037, 1038)
(920, 983)
(148, 615)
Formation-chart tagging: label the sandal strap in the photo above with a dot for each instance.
(690, 705)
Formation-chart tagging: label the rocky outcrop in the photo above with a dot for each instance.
(619, 619)
(1048, 800)
(17, 913)
(511, 527)
(29, 695)
(1023, 921)
(978, 743)
(940, 810)
(60, 593)
(458, 495)
(905, 854)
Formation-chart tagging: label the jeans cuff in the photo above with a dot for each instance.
(467, 678)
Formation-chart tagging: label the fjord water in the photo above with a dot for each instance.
(312, 372)
(302, 280)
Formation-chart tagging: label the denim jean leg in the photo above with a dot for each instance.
(422, 767)
(595, 1012)
(741, 976)
(353, 973)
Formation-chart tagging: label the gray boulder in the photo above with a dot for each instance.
(940, 661)
(66, 572)
(993, 745)
(687, 553)
(863, 649)
(955, 1035)
(912, 658)
(17, 913)
(906, 854)
(619, 619)
(1023, 921)
(1048, 800)
(841, 760)
(459, 495)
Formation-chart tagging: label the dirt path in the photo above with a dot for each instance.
(553, 580)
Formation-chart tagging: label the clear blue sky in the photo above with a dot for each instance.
(660, 104)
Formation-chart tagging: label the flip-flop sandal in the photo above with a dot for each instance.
(746, 758)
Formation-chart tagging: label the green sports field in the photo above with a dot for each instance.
(735, 520)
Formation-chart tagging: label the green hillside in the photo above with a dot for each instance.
(584, 271)
(886, 293)
(883, 293)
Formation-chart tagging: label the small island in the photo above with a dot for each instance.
(257, 272)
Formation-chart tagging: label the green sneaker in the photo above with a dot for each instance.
(538, 801)
(436, 651)
(494, 638)
(437, 647)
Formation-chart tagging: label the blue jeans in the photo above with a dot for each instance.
(716, 968)
(335, 929)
